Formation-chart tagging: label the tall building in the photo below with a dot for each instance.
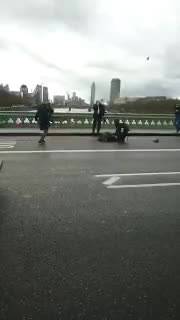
(115, 90)
(59, 100)
(45, 95)
(23, 90)
(74, 96)
(4, 88)
(93, 94)
(37, 95)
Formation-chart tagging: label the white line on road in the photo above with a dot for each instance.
(87, 151)
(137, 174)
(111, 180)
(149, 185)
(6, 144)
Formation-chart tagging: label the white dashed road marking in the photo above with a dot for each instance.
(112, 179)
(6, 144)
(148, 185)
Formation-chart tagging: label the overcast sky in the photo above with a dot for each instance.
(68, 44)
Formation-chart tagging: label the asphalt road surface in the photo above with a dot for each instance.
(89, 230)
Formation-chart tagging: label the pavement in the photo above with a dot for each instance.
(83, 132)
(89, 230)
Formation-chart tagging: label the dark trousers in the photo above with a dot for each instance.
(97, 123)
(44, 134)
(121, 136)
(44, 127)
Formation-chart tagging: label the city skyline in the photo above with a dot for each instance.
(46, 88)
(61, 94)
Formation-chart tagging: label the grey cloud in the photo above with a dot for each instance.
(103, 90)
(75, 14)
(113, 66)
(153, 88)
(39, 59)
(80, 16)
(4, 45)
(59, 70)
(172, 61)
(68, 77)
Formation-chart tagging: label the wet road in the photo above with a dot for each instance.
(89, 234)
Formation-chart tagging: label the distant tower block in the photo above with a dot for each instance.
(23, 90)
(115, 90)
(93, 94)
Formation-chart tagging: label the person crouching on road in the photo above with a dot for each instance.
(43, 116)
(122, 130)
(99, 111)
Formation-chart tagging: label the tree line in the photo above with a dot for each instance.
(8, 99)
(164, 106)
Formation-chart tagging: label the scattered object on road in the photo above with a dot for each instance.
(107, 137)
(148, 58)
(156, 140)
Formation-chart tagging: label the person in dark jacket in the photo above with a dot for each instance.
(99, 111)
(122, 130)
(177, 119)
(43, 116)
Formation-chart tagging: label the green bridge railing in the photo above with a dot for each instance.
(20, 119)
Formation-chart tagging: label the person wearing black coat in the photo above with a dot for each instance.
(43, 116)
(98, 115)
(122, 130)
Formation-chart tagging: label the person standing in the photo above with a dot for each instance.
(177, 118)
(43, 116)
(99, 111)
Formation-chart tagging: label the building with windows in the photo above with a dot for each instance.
(93, 94)
(115, 90)
(45, 95)
(59, 100)
(23, 91)
(37, 95)
(4, 88)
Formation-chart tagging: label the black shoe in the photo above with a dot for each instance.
(41, 141)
